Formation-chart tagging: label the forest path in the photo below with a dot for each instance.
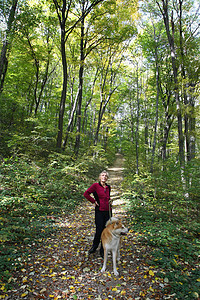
(59, 268)
(115, 181)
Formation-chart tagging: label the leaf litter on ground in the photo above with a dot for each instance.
(60, 268)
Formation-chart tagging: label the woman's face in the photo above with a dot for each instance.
(103, 177)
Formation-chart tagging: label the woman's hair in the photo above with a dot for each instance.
(104, 171)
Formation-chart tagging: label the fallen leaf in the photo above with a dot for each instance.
(151, 273)
(24, 294)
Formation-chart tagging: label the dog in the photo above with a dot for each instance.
(110, 239)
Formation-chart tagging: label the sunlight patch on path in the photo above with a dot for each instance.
(115, 180)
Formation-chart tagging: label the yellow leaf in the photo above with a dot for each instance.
(198, 279)
(24, 279)
(24, 294)
(151, 273)
(151, 289)
(114, 289)
(123, 292)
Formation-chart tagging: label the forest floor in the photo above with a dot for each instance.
(59, 266)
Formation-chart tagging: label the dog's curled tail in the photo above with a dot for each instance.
(111, 220)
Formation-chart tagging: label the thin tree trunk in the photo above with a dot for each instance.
(132, 116)
(7, 45)
(37, 66)
(90, 99)
(64, 90)
(80, 95)
(165, 139)
(71, 119)
(192, 125)
(62, 13)
(164, 11)
(156, 120)
(105, 98)
(157, 99)
(100, 115)
(137, 126)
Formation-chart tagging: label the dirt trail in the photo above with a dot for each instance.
(59, 268)
(115, 180)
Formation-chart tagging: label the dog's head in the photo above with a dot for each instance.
(117, 226)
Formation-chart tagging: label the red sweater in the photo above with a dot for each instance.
(101, 195)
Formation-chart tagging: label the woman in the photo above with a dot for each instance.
(102, 202)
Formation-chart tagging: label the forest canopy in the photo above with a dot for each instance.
(93, 78)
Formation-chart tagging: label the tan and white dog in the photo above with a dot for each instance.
(110, 238)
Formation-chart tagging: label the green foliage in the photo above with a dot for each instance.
(173, 188)
(175, 248)
(164, 209)
(32, 194)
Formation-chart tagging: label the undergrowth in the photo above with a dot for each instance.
(175, 248)
(32, 195)
(164, 209)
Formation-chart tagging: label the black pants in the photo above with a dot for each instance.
(101, 217)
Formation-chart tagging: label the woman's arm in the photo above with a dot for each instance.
(89, 191)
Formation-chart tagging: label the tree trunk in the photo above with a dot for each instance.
(70, 121)
(62, 16)
(165, 138)
(7, 45)
(156, 120)
(100, 115)
(90, 99)
(131, 115)
(137, 126)
(157, 99)
(192, 125)
(44, 81)
(170, 36)
(80, 95)
(64, 90)
(108, 78)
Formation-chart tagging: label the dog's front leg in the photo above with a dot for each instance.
(105, 260)
(118, 251)
(114, 255)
